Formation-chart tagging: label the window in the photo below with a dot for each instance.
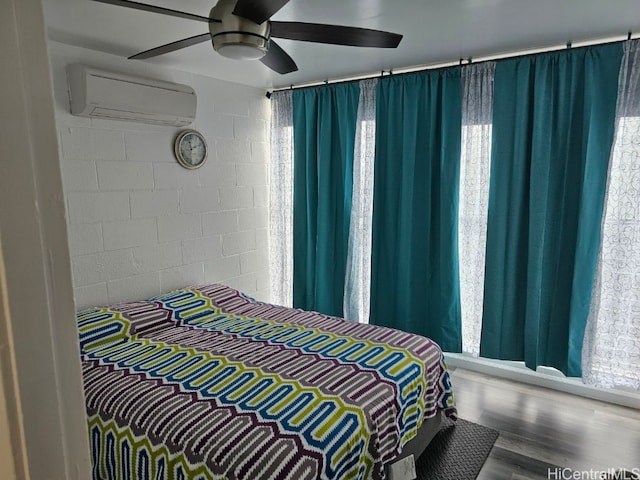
(612, 353)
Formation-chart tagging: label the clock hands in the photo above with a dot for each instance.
(190, 149)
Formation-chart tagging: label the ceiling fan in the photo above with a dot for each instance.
(242, 29)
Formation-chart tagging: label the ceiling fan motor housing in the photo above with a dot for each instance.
(236, 37)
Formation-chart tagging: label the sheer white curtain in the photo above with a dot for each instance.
(358, 276)
(281, 199)
(477, 111)
(356, 298)
(611, 351)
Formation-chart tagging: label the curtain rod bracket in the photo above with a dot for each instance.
(568, 44)
(470, 60)
(629, 36)
(268, 94)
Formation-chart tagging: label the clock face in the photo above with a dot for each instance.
(191, 149)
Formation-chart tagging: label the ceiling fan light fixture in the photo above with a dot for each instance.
(241, 46)
(241, 30)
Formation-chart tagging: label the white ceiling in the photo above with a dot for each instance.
(435, 31)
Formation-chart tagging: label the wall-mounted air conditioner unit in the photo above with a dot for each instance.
(97, 93)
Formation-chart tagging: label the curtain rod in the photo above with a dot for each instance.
(485, 58)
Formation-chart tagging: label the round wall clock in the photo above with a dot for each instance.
(190, 149)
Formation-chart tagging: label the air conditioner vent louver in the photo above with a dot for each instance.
(101, 94)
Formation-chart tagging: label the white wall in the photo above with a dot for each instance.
(40, 362)
(139, 223)
(12, 445)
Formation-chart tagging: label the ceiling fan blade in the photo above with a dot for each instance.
(278, 60)
(334, 34)
(171, 47)
(153, 8)
(258, 11)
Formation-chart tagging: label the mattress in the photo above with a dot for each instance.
(207, 383)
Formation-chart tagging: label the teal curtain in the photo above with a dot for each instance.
(414, 265)
(553, 126)
(324, 126)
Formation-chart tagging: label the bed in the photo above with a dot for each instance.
(207, 383)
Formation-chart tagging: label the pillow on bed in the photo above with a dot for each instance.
(103, 326)
(100, 327)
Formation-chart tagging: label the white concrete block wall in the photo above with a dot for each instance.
(140, 224)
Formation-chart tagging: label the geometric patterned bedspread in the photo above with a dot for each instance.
(206, 383)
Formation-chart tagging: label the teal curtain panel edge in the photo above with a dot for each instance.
(553, 127)
(415, 284)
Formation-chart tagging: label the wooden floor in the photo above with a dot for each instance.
(543, 429)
